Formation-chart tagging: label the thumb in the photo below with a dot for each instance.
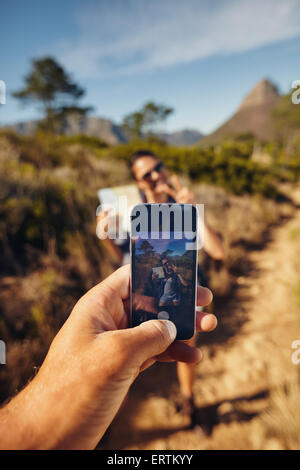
(148, 339)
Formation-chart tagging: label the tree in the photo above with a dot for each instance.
(146, 248)
(166, 253)
(141, 123)
(49, 85)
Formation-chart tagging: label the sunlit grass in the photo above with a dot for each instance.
(297, 293)
(294, 234)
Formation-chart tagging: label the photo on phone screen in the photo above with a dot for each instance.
(163, 265)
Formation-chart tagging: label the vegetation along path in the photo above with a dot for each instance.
(239, 373)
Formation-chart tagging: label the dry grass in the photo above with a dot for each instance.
(244, 223)
(281, 421)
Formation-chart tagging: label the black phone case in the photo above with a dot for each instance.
(182, 314)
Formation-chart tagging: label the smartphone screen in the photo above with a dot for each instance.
(163, 265)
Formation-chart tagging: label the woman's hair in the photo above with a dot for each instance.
(141, 154)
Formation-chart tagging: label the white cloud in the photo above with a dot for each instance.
(119, 37)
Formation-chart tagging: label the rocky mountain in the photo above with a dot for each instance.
(107, 130)
(252, 116)
(88, 125)
(186, 137)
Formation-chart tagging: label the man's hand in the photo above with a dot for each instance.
(89, 368)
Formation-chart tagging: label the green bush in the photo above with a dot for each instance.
(228, 165)
(81, 139)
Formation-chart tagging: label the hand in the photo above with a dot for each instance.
(102, 224)
(180, 194)
(107, 224)
(89, 368)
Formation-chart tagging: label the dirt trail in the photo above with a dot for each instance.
(249, 353)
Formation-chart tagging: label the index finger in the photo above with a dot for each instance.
(165, 188)
(116, 285)
(176, 183)
(204, 296)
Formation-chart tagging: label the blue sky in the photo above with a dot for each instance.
(199, 56)
(178, 247)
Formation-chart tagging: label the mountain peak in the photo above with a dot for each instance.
(254, 116)
(264, 92)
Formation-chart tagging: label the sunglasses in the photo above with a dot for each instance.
(167, 263)
(158, 168)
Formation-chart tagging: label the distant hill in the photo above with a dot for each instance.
(254, 115)
(185, 137)
(89, 125)
(107, 130)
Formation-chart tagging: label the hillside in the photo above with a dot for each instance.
(92, 126)
(50, 256)
(106, 130)
(254, 115)
(186, 137)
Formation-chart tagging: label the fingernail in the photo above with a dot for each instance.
(200, 356)
(171, 328)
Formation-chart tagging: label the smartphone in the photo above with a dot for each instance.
(163, 250)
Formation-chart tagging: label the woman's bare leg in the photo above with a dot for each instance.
(186, 374)
(186, 378)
